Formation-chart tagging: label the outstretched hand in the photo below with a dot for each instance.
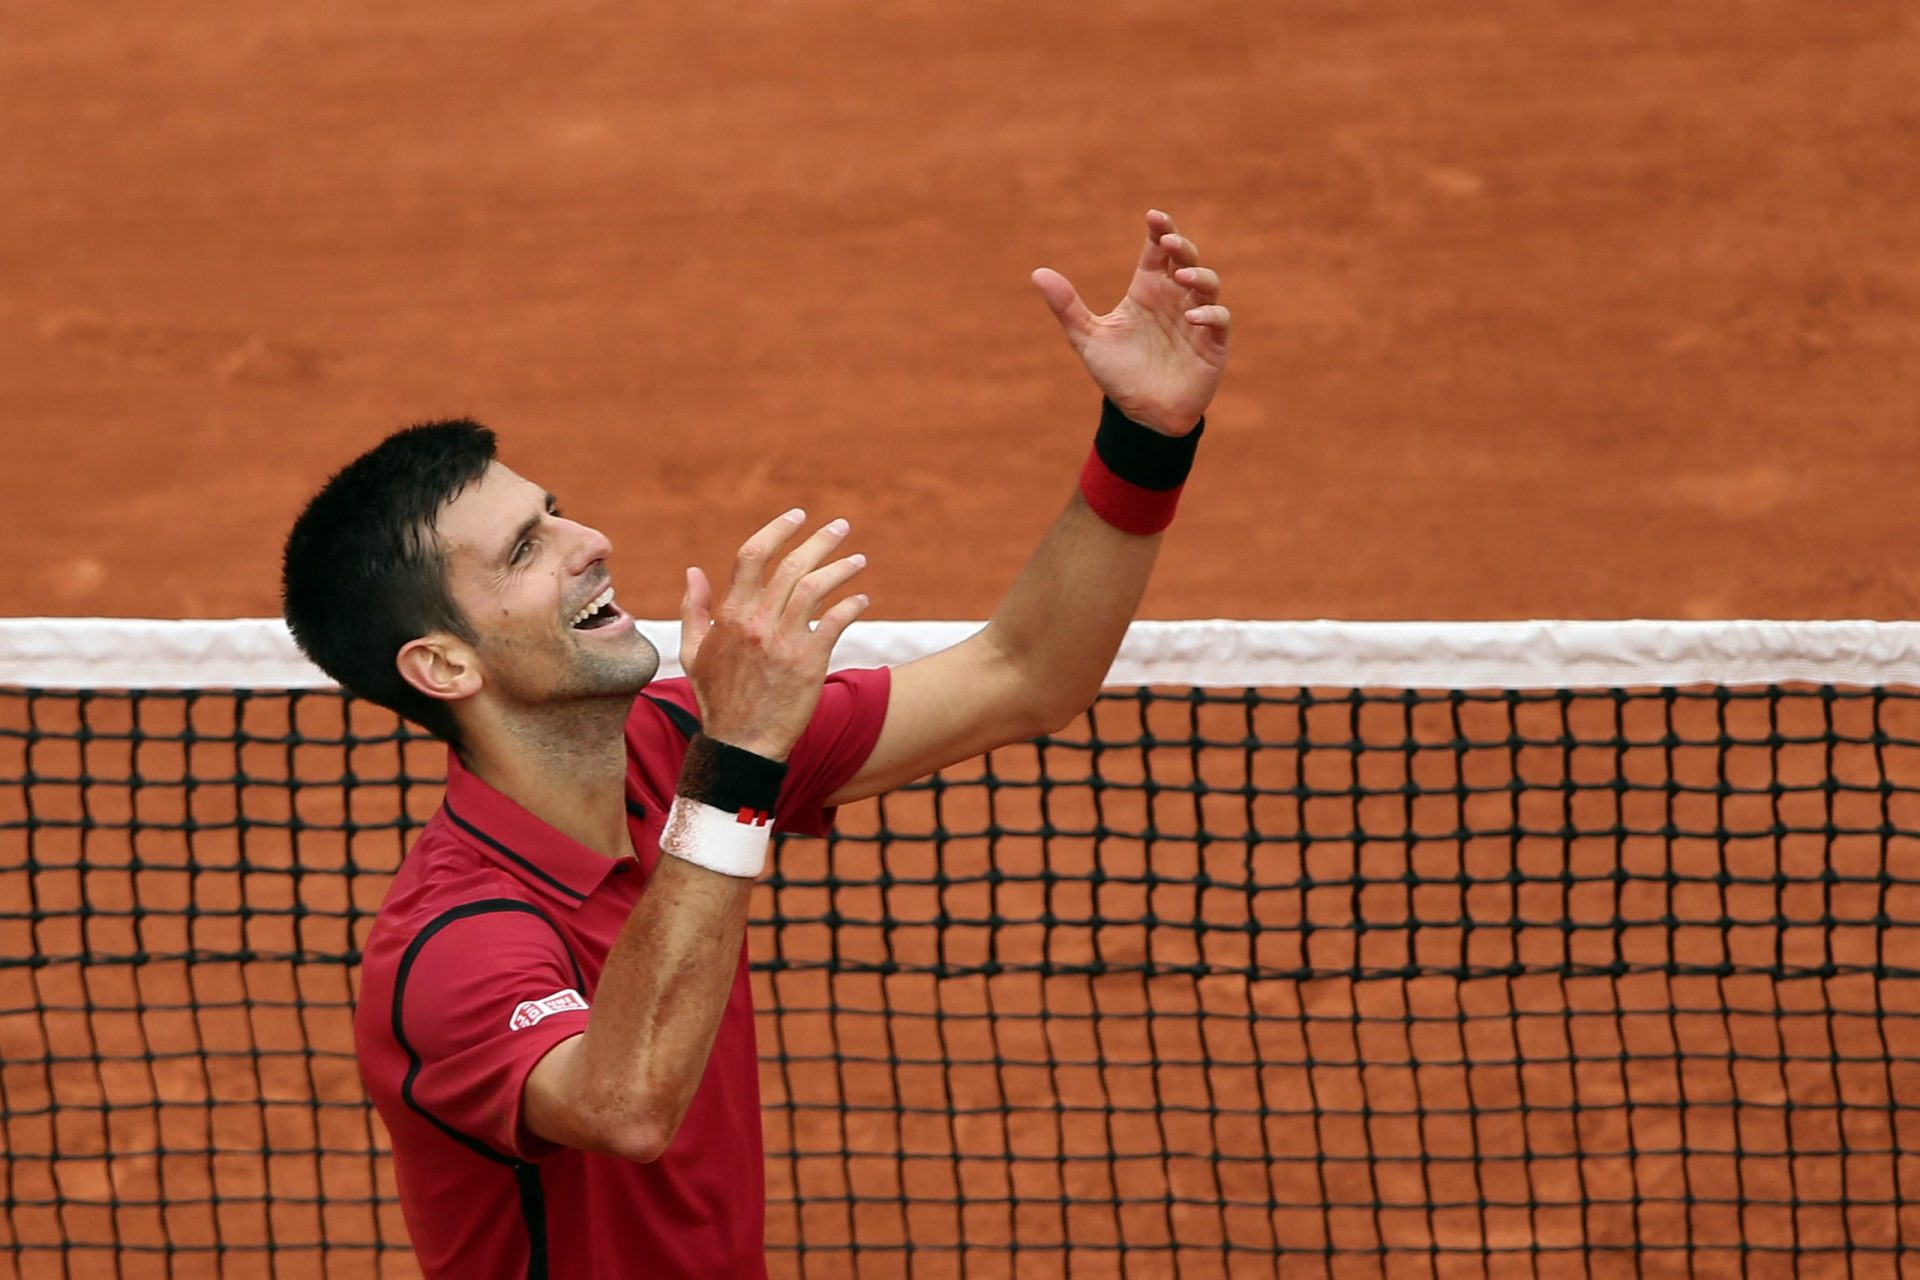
(1160, 353)
(757, 657)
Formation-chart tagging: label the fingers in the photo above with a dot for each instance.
(696, 606)
(760, 654)
(1064, 301)
(1153, 257)
(821, 583)
(792, 591)
(1179, 250)
(799, 565)
(837, 619)
(756, 553)
(696, 615)
(1182, 257)
(1165, 242)
(1214, 318)
(1203, 284)
(1168, 253)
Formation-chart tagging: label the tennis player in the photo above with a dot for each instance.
(554, 1017)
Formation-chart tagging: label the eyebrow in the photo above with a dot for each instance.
(531, 523)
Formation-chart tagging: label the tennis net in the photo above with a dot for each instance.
(1405, 949)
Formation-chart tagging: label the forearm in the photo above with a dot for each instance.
(1040, 660)
(658, 1005)
(1042, 657)
(1157, 359)
(1062, 620)
(625, 1083)
(1067, 612)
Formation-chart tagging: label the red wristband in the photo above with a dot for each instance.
(1126, 506)
(1134, 474)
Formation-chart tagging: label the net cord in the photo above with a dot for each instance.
(257, 653)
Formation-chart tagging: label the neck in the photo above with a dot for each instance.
(565, 765)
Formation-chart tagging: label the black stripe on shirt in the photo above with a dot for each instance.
(542, 876)
(684, 720)
(526, 1175)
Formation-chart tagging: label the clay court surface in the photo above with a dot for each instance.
(1542, 309)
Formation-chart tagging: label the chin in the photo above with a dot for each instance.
(624, 670)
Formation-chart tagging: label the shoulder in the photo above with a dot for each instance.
(440, 976)
(853, 705)
(846, 723)
(670, 708)
(837, 742)
(441, 879)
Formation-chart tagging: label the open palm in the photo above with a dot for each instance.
(1159, 354)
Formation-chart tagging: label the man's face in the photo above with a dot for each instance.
(535, 588)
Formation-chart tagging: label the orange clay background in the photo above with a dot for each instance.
(1543, 308)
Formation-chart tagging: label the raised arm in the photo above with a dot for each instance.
(1157, 358)
(757, 660)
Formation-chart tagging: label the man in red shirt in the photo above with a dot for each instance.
(554, 1017)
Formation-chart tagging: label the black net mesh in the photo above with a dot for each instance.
(1214, 983)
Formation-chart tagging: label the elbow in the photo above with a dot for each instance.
(631, 1112)
(1069, 700)
(1037, 694)
(1060, 720)
(634, 1128)
(641, 1143)
(641, 1138)
(1056, 714)
(1046, 704)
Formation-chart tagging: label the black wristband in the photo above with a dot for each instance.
(1142, 456)
(730, 778)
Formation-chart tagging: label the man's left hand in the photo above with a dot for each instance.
(1159, 354)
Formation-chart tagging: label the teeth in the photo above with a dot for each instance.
(592, 607)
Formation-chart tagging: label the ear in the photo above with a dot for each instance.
(441, 666)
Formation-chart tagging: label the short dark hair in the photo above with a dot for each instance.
(364, 571)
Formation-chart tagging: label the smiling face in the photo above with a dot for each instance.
(535, 589)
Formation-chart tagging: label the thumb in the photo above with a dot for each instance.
(1064, 301)
(695, 617)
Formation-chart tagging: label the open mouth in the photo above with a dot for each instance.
(596, 613)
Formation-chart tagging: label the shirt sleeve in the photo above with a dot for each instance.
(483, 992)
(837, 741)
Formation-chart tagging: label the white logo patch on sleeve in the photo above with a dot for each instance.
(530, 1012)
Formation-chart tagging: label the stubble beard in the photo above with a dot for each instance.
(579, 673)
(595, 673)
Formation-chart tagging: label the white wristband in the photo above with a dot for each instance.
(734, 844)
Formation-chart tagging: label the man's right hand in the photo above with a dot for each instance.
(758, 660)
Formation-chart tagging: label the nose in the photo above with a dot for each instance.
(589, 547)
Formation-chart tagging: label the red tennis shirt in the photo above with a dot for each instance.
(485, 955)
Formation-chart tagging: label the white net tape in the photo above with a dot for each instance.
(124, 653)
